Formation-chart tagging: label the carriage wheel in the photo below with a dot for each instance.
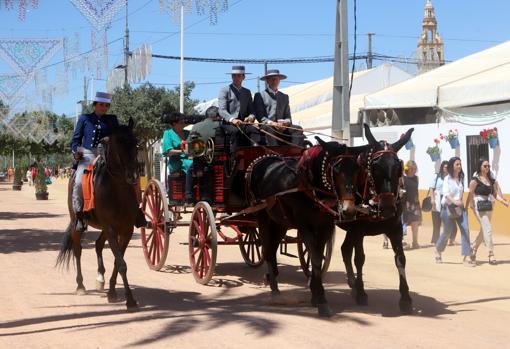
(250, 246)
(305, 260)
(155, 240)
(203, 245)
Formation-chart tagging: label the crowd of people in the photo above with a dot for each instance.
(449, 208)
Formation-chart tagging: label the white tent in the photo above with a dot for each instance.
(318, 111)
(483, 77)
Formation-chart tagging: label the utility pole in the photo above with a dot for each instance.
(126, 48)
(181, 95)
(340, 123)
(84, 102)
(265, 72)
(369, 56)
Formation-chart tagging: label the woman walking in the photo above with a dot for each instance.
(436, 189)
(483, 191)
(412, 210)
(453, 212)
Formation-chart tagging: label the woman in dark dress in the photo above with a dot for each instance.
(412, 210)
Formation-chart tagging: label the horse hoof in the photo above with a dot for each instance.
(351, 282)
(324, 310)
(80, 291)
(112, 297)
(406, 306)
(132, 307)
(361, 298)
(99, 286)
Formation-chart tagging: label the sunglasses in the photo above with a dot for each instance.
(103, 104)
(486, 166)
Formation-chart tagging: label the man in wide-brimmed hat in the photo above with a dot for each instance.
(235, 107)
(272, 109)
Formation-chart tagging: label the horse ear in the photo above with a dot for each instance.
(370, 137)
(321, 142)
(403, 140)
(131, 123)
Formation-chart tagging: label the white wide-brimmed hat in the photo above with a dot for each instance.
(273, 72)
(238, 69)
(103, 97)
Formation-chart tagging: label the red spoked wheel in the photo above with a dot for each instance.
(305, 260)
(155, 240)
(251, 246)
(203, 243)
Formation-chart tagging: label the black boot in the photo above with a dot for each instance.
(140, 221)
(80, 225)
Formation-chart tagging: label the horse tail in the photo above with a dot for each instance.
(66, 247)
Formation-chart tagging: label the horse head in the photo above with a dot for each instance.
(121, 153)
(340, 172)
(384, 172)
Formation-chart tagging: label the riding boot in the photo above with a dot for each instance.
(140, 221)
(80, 224)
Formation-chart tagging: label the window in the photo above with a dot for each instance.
(476, 148)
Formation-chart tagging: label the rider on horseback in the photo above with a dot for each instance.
(88, 132)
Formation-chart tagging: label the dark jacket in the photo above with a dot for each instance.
(234, 104)
(262, 106)
(90, 129)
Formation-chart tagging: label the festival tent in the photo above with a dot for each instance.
(315, 113)
(480, 78)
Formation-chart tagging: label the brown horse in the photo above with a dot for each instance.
(115, 212)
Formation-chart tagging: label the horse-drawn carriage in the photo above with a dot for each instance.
(222, 214)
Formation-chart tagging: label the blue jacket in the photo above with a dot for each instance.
(90, 129)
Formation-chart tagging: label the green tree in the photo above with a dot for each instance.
(146, 104)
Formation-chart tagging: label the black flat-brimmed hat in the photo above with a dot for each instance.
(238, 69)
(273, 72)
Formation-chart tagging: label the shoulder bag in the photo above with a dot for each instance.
(426, 204)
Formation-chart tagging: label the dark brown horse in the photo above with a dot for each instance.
(377, 210)
(115, 212)
(311, 208)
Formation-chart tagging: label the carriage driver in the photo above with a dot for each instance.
(235, 107)
(88, 132)
(271, 108)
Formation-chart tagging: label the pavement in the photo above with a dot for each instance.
(454, 306)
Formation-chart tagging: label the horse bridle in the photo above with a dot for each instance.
(112, 173)
(375, 198)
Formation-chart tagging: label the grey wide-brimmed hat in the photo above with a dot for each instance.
(238, 69)
(273, 72)
(103, 97)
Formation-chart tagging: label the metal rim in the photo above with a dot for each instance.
(305, 261)
(202, 242)
(251, 246)
(156, 240)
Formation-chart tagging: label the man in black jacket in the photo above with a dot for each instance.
(272, 110)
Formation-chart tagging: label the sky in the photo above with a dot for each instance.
(258, 29)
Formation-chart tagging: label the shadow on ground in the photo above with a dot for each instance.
(188, 312)
(27, 215)
(30, 240)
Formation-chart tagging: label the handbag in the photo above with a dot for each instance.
(453, 211)
(426, 204)
(484, 205)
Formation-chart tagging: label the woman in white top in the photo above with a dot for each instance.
(483, 191)
(453, 212)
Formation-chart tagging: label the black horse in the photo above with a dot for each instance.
(300, 194)
(378, 199)
(115, 212)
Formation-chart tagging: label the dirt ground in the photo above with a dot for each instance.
(455, 306)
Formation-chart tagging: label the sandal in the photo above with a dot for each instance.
(492, 260)
(439, 260)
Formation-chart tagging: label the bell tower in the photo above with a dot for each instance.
(430, 45)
